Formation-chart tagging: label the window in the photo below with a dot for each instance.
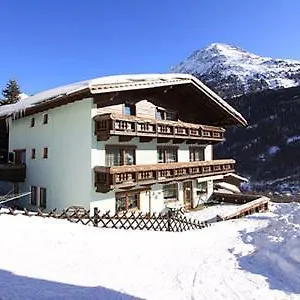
(45, 119)
(43, 197)
(11, 157)
(170, 191)
(33, 195)
(127, 201)
(162, 114)
(201, 187)
(171, 115)
(33, 153)
(32, 121)
(167, 154)
(16, 188)
(120, 155)
(129, 109)
(20, 156)
(196, 153)
(45, 152)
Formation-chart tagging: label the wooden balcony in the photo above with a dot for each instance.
(107, 178)
(13, 172)
(132, 126)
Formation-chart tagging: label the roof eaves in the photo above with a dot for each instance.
(220, 102)
(101, 88)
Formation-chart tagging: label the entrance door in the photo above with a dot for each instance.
(188, 194)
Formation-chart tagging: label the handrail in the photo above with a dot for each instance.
(118, 176)
(115, 124)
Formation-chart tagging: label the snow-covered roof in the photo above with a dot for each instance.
(228, 187)
(236, 176)
(118, 83)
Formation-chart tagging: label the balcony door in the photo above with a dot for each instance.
(188, 194)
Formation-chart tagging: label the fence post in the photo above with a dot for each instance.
(95, 217)
(169, 224)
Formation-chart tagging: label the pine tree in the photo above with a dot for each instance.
(11, 93)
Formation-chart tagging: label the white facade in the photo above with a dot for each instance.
(73, 151)
(67, 172)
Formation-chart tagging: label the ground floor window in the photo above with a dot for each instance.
(201, 187)
(16, 188)
(43, 197)
(33, 195)
(170, 191)
(127, 201)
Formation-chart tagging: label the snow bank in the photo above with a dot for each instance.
(253, 258)
(276, 252)
(210, 213)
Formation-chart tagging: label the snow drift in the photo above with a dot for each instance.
(253, 258)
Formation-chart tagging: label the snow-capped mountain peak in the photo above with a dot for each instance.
(231, 70)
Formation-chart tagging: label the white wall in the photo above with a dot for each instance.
(66, 173)
(74, 151)
(208, 152)
(146, 153)
(157, 198)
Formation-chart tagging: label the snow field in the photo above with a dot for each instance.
(253, 258)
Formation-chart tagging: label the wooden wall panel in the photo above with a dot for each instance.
(146, 109)
(117, 109)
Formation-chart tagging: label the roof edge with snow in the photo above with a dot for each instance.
(114, 84)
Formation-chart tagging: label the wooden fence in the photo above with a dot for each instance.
(170, 221)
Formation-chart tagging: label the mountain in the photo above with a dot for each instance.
(231, 71)
(267, 92)
(268, 150)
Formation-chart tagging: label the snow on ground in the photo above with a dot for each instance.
(293, 139)
(273, 150)
(210, 212)
(252, 258)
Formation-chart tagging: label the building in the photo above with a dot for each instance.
(118, 143)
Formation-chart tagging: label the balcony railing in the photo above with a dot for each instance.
(129, 176)
(112, 124)
(13, 172)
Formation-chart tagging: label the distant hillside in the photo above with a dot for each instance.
(269, 149)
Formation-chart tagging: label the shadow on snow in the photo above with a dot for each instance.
(14, 286)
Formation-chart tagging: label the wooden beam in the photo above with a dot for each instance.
(163, 140)
(125, 138)
(144, 139)
(178, 141)
(190, 142)
(101, 137)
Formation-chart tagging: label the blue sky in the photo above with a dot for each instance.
(50, 43)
